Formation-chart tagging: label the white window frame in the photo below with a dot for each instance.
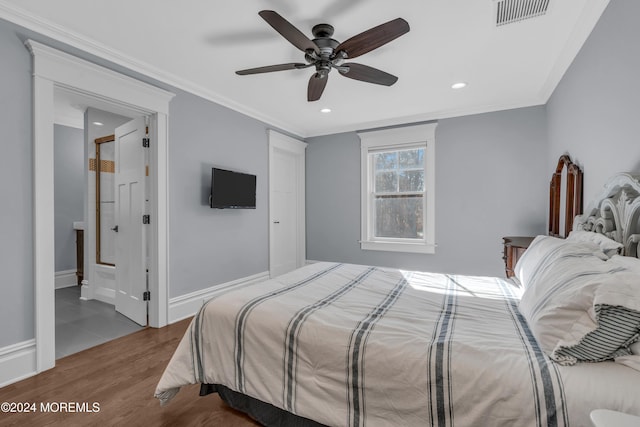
(398, 139)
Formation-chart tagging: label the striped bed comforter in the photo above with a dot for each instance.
(352, 345)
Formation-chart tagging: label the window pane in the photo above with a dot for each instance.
(386, 182)
(399, 217)
(386, 160)
(411, 158)
(411, 180)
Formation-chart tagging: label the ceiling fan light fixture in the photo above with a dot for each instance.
(459, 85)
(325, 110)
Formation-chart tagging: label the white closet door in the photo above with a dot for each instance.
(286, 204)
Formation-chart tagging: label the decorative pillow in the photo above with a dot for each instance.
(582, 308)
(616, 328)
(545, 251)
(609, 246)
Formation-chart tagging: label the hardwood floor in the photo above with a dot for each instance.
(120, 376)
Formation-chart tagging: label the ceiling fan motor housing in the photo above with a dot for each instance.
(327, 58)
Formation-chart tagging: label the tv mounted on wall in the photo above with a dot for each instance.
(232, 190)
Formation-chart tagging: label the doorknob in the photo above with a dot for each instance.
(115, 228)
(276, 222)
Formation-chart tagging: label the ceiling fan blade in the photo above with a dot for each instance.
(367, 74)
(288, 31)
(317, 82)
(270, 68)
(373, 38)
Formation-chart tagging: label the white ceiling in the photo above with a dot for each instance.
(196, 46)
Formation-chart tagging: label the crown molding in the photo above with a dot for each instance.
(591, 13)
(21, 17)
(433, 115)
(590, 16)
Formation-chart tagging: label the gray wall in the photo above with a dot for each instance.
(16, 183)
(213, 246)
(68, 153)
(595, 110)
(206, 246)
(491, 181)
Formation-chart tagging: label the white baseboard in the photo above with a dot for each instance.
(188, 305)
(105, 295)
(17, 362)
(66, 279)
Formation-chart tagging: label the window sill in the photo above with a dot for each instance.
(421, 248)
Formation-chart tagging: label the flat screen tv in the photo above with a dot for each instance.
(232, 190)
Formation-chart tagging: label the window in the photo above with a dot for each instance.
(398, 189)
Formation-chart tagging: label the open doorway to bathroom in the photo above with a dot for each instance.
(83, 217)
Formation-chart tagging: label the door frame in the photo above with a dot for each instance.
(279, 141)
(53, 68)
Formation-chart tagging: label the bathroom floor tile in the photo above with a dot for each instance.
(84, 324)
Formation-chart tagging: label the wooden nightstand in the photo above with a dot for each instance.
(514, 247)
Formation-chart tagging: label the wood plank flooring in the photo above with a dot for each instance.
(121, 377)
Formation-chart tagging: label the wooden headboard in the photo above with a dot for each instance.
(616, 212)
(573, 196)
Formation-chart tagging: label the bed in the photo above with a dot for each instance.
(352, 345)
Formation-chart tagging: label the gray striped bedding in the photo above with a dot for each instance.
(352, 345)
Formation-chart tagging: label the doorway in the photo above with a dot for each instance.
(82, 323)
(111, 91)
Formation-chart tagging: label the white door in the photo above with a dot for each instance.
(286, 204)
(131, 278)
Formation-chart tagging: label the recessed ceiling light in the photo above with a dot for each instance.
(458, 85)
(98, 123)
(325, 110)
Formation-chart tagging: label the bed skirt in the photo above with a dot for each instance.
(264, 413)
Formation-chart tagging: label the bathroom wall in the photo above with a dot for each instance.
(68, 154)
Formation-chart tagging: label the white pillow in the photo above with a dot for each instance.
(560, 296)
(631, 361)
(546, 250)
(630, 263)
(609, 246)
(582, 308)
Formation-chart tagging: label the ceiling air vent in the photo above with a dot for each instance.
(508, 11)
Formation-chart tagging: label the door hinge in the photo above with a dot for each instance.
(146, 219)
(145, 142)
(146, 296)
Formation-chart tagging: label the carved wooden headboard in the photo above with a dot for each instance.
(573, 196)
(616, 212)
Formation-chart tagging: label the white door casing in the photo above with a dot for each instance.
(130, 239)
(53, 68)
(287, 244)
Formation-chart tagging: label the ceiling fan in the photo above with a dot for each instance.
(325, 53)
